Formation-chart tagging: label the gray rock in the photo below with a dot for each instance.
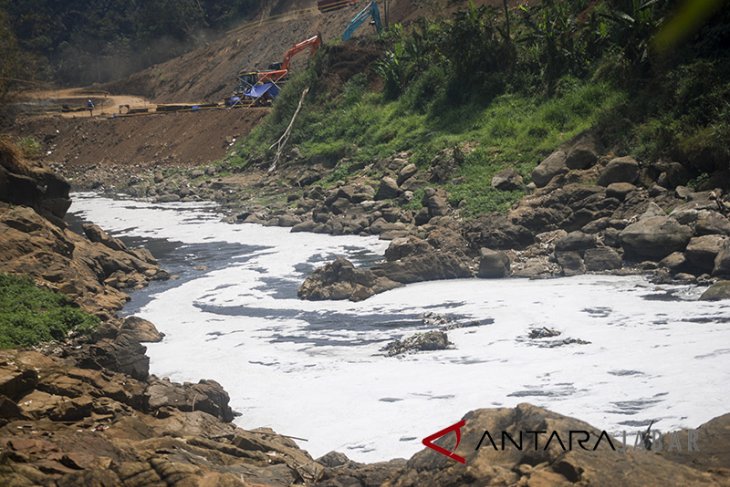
(601, 259)
(419, 342)
(654, 237)
(493, 264)
(388, 189)
(718, 291)
(341, 280)
(576, 241)
(404, 247)
(702, 251)
(571, 262)
(675, 262)
(582, 156)
(167, 198)
(619, 190)
(553, 165)
(711, 222)
(619, 170)
(436, 200)
(406, 173)
(722, 262)
(507, 180)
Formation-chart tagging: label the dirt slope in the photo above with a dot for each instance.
(147, 141)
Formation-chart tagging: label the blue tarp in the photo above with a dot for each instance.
(257, 91)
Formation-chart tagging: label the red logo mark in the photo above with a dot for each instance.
(456, 428)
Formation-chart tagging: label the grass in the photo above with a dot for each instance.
(30, 315)
(514, 130)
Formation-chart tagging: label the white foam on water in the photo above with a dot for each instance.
(648, 359)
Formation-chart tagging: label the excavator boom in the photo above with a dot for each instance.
(312, 43)
(371, 11)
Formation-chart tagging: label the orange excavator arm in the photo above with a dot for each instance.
(312, 43)
(277, 75)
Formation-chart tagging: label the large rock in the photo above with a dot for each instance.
(207, 396)
(654, 237)
(493, 264)
(436, 202)
(571, 262)
(341, 280)
(576, 241)
(96, 234)
(418, 342)
(497, 232)
(405, 247)
(388, 189)
(601, 259)
(717, 292)
(722, 262)
(702, 251)
(429, 266)
(507, 180)
(711, 222)
(407, 172)
(619, 170)
(553, 165)
(582, 155)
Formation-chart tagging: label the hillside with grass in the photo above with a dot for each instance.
(498, 89)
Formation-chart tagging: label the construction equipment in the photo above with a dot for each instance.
(261, 87)
(325, 6)
(370, 12)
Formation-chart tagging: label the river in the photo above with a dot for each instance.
(314, 370)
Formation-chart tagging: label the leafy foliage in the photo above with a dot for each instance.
(30, 315)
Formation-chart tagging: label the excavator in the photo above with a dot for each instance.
(369, 12)
(262, 87)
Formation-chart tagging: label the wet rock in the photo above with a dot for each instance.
(553, 165)
(341, 280)
(419, 342)
(654, 237)
(493, 264)
(507, 180)
(619, 170)
(388, 189)
(702, 251)
(543, 332)
(601, 259)
(717, 292)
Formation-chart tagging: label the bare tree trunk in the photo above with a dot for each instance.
(279, 144)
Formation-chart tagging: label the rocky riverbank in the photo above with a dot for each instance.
(586, 210)
(87, 411)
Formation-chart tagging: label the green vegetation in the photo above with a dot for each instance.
(30, 147)
(30, 315)
(85, 41)
(507, 91)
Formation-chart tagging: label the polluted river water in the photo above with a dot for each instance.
(629, 351)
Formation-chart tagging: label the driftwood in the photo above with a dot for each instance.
(279, 144)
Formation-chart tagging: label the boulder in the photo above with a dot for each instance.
(141, 330)
(507, 180)
(717, 292)
(675, 262)
(418, 342)
(436, 201)
(207, 396)
(702, 251)
(406, 246)
(722, 262)
(570, 262)
(493, 264)
(96, 234)
(582, 155)
(576, 241)
(428, 266)
(711, 222)
(341, 280)
(388, 189)
(619, 170)
(553, 165)
(654, 237)
(601, 259)
(406, 173)
(619, 190)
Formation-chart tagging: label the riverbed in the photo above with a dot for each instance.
(629, 352)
